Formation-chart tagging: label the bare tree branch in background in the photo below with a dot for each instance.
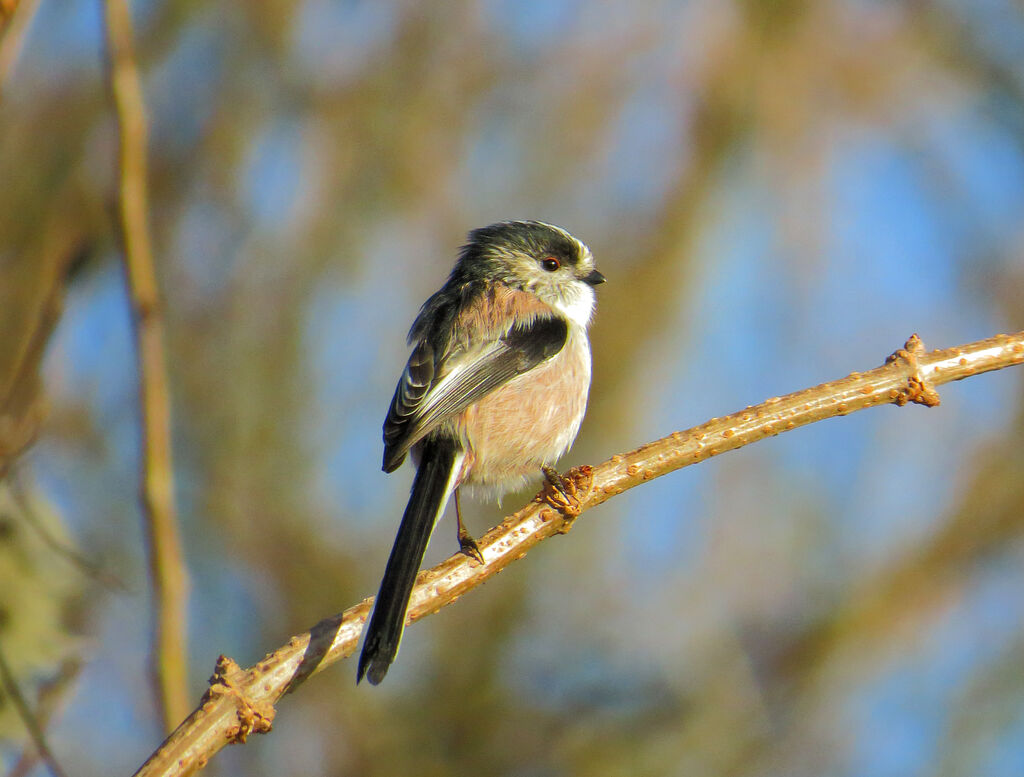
(32, 724)
(14, 20)
(50, 698)
(167, 569)
(29, 311)
(240, 702)
(60, 547)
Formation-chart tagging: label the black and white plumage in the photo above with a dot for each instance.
(495, 390)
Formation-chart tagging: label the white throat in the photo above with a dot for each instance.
(576, 302)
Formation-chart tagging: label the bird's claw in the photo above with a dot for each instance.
(470, 547)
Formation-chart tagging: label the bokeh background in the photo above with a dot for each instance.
(778, 192)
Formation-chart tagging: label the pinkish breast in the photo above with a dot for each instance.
(530, 421)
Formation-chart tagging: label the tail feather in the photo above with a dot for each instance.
(433, 485)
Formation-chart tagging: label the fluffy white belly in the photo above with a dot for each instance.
(529, 422)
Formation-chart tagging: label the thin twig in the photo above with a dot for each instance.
(51, 695)
(65, 550)
(35, 731)
(21, 406)
(167, 568)
(40, 303)
(240, 701)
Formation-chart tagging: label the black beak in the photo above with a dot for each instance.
(594, 278)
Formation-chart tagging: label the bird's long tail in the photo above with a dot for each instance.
(435, 480)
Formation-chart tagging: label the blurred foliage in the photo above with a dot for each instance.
(38, 592)
(843, 602)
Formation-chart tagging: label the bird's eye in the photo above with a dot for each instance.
(550, 264)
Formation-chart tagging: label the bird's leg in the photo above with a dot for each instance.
(564, 495)
(466, 543)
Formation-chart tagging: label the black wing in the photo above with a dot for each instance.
(423, 400)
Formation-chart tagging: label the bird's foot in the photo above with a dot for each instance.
(469, 546)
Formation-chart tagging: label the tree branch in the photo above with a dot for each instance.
(32, 725)
(51, 695)
(167, 569)
(240, 701)
(15, 16)
(22, 407)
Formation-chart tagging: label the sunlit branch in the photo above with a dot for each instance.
(240, 701)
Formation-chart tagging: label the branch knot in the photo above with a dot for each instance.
(254, 717)
(917, 389)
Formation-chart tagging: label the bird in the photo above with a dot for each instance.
(493, 394)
